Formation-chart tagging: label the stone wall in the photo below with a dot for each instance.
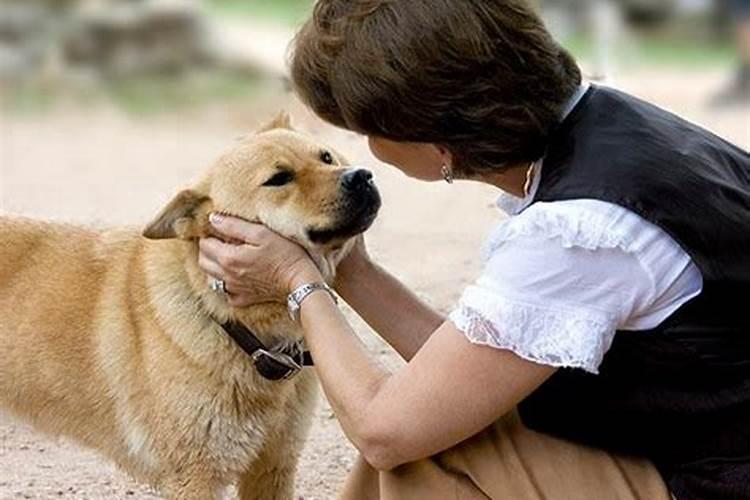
(100, 37)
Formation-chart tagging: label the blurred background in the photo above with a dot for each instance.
(108, 107)
(152, 56)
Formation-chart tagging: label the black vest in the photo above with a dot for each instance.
(679, 394)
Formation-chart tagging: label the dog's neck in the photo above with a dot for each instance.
(269, 321)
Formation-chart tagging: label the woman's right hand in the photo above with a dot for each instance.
(353, 264)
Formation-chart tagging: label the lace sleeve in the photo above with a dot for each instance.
(553, 336)
(560, 279)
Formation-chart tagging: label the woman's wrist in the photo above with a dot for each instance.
(305, 275)
(350, 270)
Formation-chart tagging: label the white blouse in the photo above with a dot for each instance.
(560, 278)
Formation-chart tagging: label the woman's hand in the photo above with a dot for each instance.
(353, 265)
(263, 267)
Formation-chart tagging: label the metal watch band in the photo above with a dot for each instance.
(295, 299)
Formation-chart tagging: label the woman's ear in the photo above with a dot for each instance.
(185, 217)
(445, 155)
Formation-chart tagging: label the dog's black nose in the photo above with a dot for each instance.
(357, 180)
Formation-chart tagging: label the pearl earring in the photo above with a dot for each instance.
(447, 174)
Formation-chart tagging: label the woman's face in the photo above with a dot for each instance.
(417, 160)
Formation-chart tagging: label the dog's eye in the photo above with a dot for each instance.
(280, 179)
(326, 158)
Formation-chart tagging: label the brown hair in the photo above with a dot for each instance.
(482, 78)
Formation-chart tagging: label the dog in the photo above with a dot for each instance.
(114, 339)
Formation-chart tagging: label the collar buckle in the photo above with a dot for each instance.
(275, 365)
(281, 363)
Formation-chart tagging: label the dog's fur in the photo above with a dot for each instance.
(113, 339)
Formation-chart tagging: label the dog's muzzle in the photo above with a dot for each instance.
(357, 211)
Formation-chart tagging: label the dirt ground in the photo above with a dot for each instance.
(98, 166)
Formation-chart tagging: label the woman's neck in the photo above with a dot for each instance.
(513, 180)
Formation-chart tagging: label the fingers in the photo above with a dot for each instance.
(210, 267)
(215, 273)
(222, 254)
(215, 249)
(233, 228)
(234, 297)
(254, 272)
(240, 301)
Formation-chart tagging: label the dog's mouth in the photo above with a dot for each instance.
(355, 219)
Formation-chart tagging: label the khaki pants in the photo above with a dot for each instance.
(509, 461)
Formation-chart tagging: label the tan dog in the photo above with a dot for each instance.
(114, 339)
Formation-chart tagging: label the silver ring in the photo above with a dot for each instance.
(219, 286)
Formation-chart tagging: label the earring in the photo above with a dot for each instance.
(447, 174)
(529, 179)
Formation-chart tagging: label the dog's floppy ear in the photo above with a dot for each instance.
(185, 217)
(281, 120)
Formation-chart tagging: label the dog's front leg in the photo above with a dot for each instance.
(276, 483)
(193, 485)
(271, 475)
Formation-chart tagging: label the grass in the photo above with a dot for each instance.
(149, 95)
(287, 11)
(146, 95)
(663, 52)
(672, 50)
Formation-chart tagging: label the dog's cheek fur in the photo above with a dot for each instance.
(334, 258)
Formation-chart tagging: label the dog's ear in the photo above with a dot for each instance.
(281, 120)
(185, 217)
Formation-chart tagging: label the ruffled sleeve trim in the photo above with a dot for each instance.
(588, 229)
(559, 336)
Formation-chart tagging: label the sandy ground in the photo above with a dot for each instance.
(98, 166)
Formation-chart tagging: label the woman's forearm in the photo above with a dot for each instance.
(435, 401)
(349, 378)
(391, 309)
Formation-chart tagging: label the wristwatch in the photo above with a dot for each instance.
(294, 299)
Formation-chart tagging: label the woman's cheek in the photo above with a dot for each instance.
(376, 149)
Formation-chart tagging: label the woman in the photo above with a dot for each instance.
(607, 311)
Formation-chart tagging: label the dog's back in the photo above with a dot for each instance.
(51, 275)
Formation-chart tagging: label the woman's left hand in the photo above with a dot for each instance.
(262, 267)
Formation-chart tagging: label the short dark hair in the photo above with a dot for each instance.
(482, 78)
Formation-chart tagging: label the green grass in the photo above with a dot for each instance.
(27, 99)
(286, 11)
(136, 95)
(655, 51)
(669, 49)
(149, 95)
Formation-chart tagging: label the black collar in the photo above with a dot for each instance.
(271, 364)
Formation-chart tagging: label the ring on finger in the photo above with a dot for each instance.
(219, 286)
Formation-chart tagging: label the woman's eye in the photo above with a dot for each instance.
(280, 179)
(326, 158)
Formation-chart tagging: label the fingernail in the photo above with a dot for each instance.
(216, 219)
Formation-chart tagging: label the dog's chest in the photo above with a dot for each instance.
(228, 425)
(249, 420)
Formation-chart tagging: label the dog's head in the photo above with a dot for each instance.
(278, 177)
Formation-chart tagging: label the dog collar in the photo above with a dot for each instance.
(270, 364)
